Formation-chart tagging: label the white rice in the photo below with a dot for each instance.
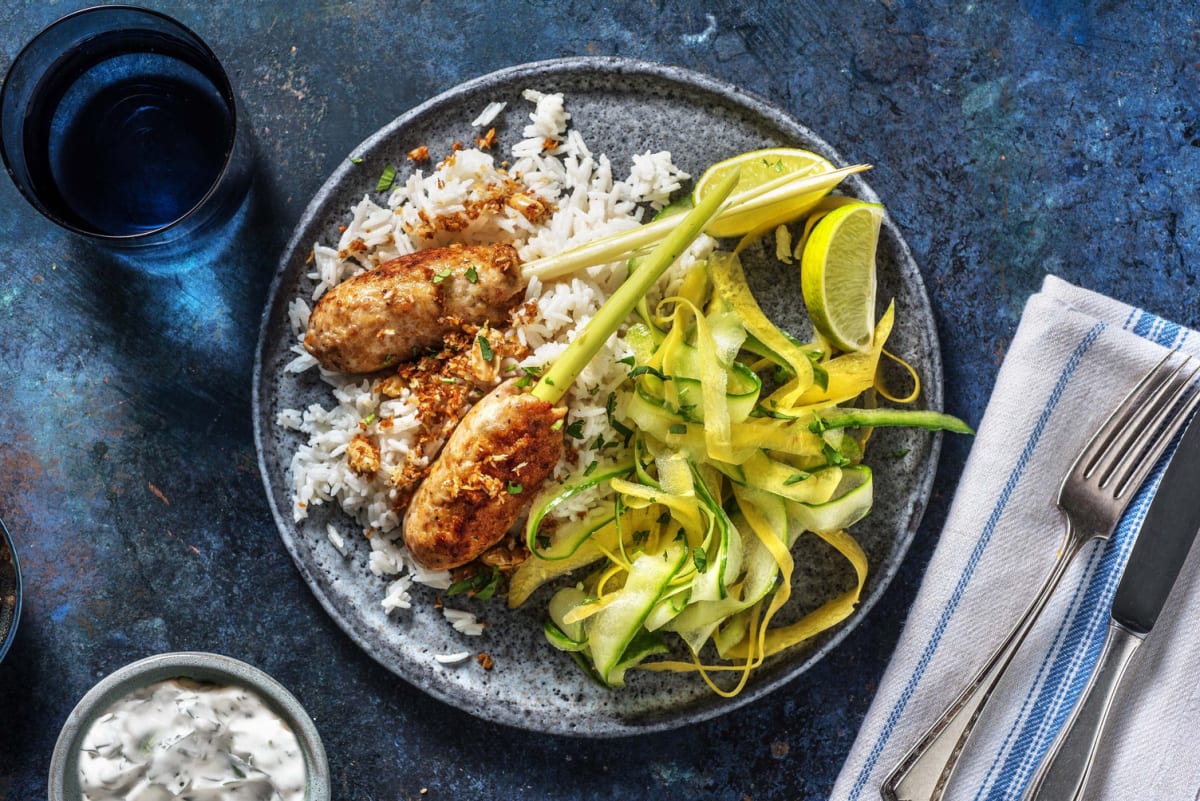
(489, 114)
(463, 621)
(589, 202)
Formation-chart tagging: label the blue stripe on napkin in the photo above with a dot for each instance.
(1068, 668)
(976, 554)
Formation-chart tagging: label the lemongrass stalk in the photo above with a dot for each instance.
(555, 382)
(779, 190)
(619, 246)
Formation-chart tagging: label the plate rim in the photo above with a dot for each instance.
(746, 101)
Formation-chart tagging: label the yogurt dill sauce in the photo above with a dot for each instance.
(181, 739)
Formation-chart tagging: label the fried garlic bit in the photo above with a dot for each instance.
(487, 141)
(443, 386)
(362, 456)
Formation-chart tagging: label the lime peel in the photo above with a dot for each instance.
(837, 275)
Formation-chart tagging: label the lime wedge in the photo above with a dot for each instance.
(837, 274)
(760, 167)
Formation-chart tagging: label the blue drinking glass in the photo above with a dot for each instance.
(118, 123)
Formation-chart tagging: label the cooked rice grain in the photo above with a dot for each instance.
(553, 162)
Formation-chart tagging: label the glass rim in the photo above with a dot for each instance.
(224, 87)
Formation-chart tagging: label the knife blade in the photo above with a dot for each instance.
(1158, 554)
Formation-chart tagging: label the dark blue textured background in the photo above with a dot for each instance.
(1010, 139)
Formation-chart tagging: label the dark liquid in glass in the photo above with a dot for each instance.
(128, 134)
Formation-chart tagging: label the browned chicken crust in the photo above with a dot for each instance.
(504, 448)
(405, 306)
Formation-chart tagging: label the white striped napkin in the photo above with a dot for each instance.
(1074, 357)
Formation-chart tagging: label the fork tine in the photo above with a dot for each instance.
(1141, 394)
(1139, 435)
(1122, 452)
(1156, 435)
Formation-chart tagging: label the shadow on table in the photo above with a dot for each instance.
(180, 326)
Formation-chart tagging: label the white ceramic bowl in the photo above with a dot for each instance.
(198, 666)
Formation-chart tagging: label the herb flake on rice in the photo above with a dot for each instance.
(584, 201)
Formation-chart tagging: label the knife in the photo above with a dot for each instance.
(1159, 552)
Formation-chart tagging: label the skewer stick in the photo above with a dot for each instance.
(627, 243)
(555, 382)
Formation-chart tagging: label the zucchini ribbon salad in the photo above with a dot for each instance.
(543, 374)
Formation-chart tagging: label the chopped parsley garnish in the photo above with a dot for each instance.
(490, 588)
(644, 369)
(591, 468)
(472, 275)
(531, 372)
(485, 348)
(482, 585)
(386, 179)
(763, 411)
(575, 430)
(442, 275)
(600, 443)
(640, 536)
(820, 376)
(610, 408)
(700, 558)
(629, 360)
(356, 160)
(515, 489)
(833, 456)
(370, 418)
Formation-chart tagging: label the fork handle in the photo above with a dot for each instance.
(924, 772)
(1064, 773)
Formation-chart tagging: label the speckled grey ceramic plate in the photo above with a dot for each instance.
(621, 108)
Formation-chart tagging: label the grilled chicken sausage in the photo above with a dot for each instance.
(404, 306)
(493, 463)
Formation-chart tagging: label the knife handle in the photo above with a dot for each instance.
(1063, 774)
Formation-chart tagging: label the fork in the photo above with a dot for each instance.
(1097, 489)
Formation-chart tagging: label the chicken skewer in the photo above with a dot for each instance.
(509, 442)
(405, 306)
